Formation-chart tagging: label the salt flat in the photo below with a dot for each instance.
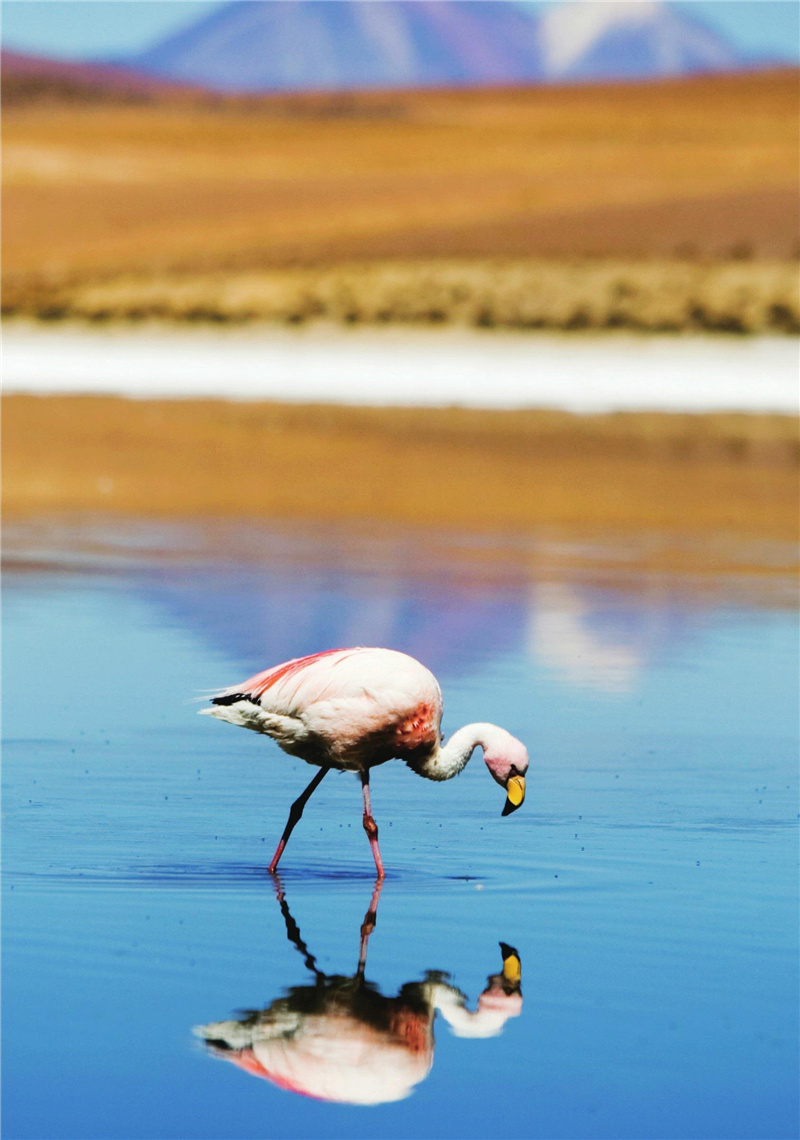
(419, 367)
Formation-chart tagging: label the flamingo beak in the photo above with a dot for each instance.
(512, 968)
(515, 794)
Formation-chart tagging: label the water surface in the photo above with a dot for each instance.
(648, 883)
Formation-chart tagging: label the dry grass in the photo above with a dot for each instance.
(654, 295)
(188, 198)
(707, 475)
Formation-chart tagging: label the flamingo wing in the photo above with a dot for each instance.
(277, 681)
(350, 697)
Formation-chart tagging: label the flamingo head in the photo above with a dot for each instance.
(507, 760)
(502, 997)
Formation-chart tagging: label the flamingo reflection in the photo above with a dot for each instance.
(340, 1039)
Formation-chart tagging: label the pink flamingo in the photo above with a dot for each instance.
(352, 709)
(341, 1039)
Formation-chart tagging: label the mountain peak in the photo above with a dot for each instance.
(633, 39)
(569, 30)
(301, 45)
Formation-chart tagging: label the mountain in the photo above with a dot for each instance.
(30, 77)
(639, 39)
(280, 45)
(300, 45)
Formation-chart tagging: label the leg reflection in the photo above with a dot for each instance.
(368, 925)
(293, 930)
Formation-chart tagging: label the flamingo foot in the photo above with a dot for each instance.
(370, 826)
(272, 868)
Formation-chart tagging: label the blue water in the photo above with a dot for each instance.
(649, 883)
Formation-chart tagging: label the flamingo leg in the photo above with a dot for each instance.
(295, 812)
(370, 826)
(368, 925)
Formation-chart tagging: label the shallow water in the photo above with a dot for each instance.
(648, 883)
(417, 367)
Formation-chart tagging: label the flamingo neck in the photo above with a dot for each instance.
(451, 758)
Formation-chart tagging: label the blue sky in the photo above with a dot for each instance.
(84, 29)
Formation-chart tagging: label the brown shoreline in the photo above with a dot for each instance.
(705, 477)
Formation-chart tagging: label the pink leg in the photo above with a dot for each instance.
(295, 812)
(368, 925)
(370, 826)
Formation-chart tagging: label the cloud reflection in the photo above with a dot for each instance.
(260, 594)
(584, 636)
(338, 1038)
(562, 638)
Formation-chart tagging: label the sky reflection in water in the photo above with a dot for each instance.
(649, 882)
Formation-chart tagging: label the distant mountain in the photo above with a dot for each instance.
(301, 45)
(280, 45)
(629, 40)
(26, 77)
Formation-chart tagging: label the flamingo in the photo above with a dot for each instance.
(341, 1039)
(352, 709)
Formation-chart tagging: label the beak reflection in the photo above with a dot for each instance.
(339, 1039)
(512, 967)
(515, 794)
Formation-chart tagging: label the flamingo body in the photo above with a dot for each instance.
(345, 708)
(353, 709)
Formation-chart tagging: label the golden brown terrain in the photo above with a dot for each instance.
(653, 295)
(114, 209)
(728, 480)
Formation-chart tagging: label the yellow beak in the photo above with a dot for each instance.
(515, 794)
(512, 968)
